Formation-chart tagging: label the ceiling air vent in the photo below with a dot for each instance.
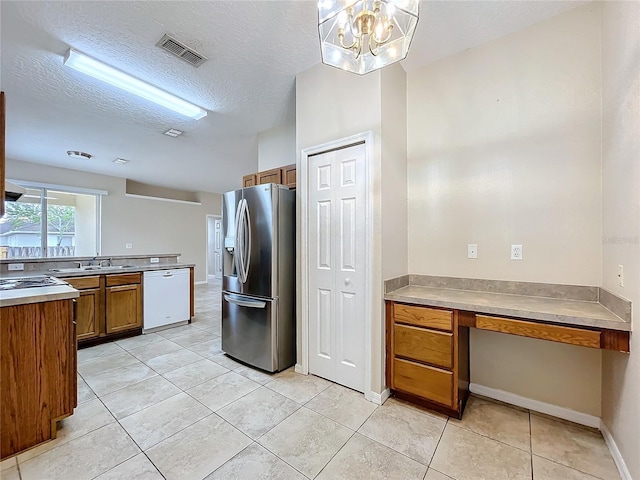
(180, 50)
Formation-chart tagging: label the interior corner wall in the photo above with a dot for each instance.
(332, 104)
(504, 148)
(621, 217)
(152, 226)
(277, 147)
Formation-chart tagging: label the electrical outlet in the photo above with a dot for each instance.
(621, 275)
(154, 260)
(516, 252)
(16, 266)
(472, 250)
(128, 245)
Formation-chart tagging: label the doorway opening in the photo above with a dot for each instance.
(214, 248)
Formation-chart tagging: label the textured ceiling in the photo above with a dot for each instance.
(255, 49)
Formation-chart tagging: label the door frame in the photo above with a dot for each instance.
(206, 219)
(302, 188)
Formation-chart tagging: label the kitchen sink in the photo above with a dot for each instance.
(88, 268)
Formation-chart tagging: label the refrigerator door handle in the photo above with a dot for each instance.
(244, 302)
(237, 260)
(247, 240)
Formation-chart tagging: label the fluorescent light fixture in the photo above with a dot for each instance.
(89, 66)
(121, 161)
(173, 132)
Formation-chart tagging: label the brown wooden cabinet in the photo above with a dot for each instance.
(37, 371)
(269, 176)
(428, 357)
(89, 306)
(281, 175)
(108, 305)
(249, 180)
(288, 174)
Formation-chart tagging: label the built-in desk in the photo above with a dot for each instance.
(427, 328)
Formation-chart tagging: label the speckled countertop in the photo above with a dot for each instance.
(560, 311)
(45, 294)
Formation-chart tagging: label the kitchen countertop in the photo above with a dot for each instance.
(24, 296)
(101, 271)
(577, 313)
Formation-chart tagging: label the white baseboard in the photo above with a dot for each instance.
(378, 398)
(299, 369)
(536, 405)
(202, 282)
(615, 452)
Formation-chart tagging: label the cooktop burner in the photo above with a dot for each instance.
(29, 282)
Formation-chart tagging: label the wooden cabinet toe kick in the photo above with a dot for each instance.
(594, 338)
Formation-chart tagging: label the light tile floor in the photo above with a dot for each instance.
(172, 405)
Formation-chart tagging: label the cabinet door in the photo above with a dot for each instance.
(289, 175)
(269, 176)
(249, 180)
(88, 314)
(124, 308)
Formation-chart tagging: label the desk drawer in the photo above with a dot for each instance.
(427, 382)
(82, 283)
(555, 333)
(423, 316)
(429, 346)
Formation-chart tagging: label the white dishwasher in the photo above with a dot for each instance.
(167, 298)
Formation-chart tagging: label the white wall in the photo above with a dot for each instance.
(152, 226)
(504, 148)
(621, 216)
(277, 147)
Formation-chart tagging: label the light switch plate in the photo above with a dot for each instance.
(154, 260)
(128, 245)
(16, 266)
(472, 250)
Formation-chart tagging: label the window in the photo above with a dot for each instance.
(51, 221)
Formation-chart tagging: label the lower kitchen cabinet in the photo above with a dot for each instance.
(124, 308)
(88, 306)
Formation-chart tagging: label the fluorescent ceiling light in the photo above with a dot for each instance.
(173, 132)
(121, 161)
(87, 65)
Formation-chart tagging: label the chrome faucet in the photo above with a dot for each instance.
(106, 260)
(79, 264)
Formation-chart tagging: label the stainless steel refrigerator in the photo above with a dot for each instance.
(258, 282)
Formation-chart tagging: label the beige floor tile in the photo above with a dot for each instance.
(573, 446)
(195, 373)
(141, 395)
(11, 473)
(198, 450)
(8, 463)
(83, 458)
(258, 412)
(408, 431)
(86, 354)
(435, 475)
(139, 341)
(306, 440)
(343, 405)
(363, 459)
(544, 469)
(114, 380)
(173, 360)
(194, 337)
(226, 361)
(106, 363)
(138, 468)
(465, 455)
(155, 349)
(158, 422)
(170, 333)
(84, 392)
(255, 463)
(87, 417)
(208, 348)
(300, 388)
(254, 374)
(496, 421)
(418, 408)
(222, 390)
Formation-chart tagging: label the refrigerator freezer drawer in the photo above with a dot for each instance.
(249, 331)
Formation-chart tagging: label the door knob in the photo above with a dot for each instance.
(347, 281)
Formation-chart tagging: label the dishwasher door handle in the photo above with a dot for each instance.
(243, 302)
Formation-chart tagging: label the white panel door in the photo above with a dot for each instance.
(218, 248)
(337, 238)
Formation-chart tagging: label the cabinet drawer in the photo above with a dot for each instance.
(428, 346)
(555, 333)
(427, 382)
(81, 283)
(423, 316)
(123, 279)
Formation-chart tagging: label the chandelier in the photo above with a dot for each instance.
(360, 36)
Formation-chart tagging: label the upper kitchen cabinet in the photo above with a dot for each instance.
(281, 175)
